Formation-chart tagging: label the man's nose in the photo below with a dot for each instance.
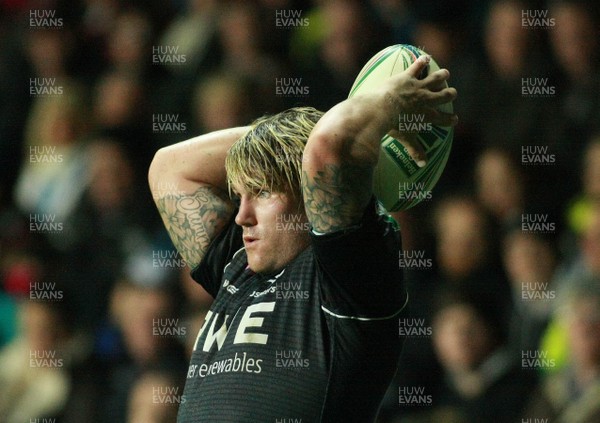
(246, 215)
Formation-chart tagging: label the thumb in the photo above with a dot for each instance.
(418, 65)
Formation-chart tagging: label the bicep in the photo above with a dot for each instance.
(193, 220)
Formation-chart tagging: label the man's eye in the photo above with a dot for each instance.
(264, 194)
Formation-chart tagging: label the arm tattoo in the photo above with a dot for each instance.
(193, 220)
(335, 197)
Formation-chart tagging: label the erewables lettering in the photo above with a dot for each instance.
(239, 363)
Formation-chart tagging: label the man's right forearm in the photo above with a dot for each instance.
(199, 160)
(189, 186)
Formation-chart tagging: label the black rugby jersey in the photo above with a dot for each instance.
(317, 341)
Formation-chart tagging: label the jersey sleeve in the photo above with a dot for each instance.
(362, 277)
(220, 252)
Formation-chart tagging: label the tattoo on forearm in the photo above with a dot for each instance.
(335, 197)
(193, 220)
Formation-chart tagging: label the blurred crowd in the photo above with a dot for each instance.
(98, 314)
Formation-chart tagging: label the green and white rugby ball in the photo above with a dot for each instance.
(399, 183)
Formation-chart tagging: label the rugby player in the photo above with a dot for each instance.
(278, 222)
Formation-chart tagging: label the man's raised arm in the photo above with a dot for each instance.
(189, 186)
(343, 148)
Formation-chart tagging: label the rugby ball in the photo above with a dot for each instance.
(398, 182)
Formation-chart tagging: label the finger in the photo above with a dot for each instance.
(418, 65)
(435, 98)
(437, 80)
(412, 145)
(438, 75)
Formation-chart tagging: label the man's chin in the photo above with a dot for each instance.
(258, 266)
(255, 265)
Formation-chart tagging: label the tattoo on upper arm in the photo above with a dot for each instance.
(193, 220)
(335, 197)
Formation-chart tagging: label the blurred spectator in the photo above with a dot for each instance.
(129, 43)
(465, 260)
(193, 34)
(577, 24)
(8, 312)
(399, 17)
(241, 37)
(145, 318)
(586, 259)
(465, 252)
(582, 265)
(591, 169)
(182, 55)
(221, 101)
(348, 41)
(53, 176)
(196, 296)
(513, 58)
(154, 399)
(48, 52)
(118, 101)
(581, 207)
(106, 228)
(572, 394)
(482, 382)
(18, 270)
(530, 261)
(500, 185)
(98, 17)
(34, 381)
(119, 111)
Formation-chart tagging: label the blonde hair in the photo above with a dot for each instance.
(269, 156)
